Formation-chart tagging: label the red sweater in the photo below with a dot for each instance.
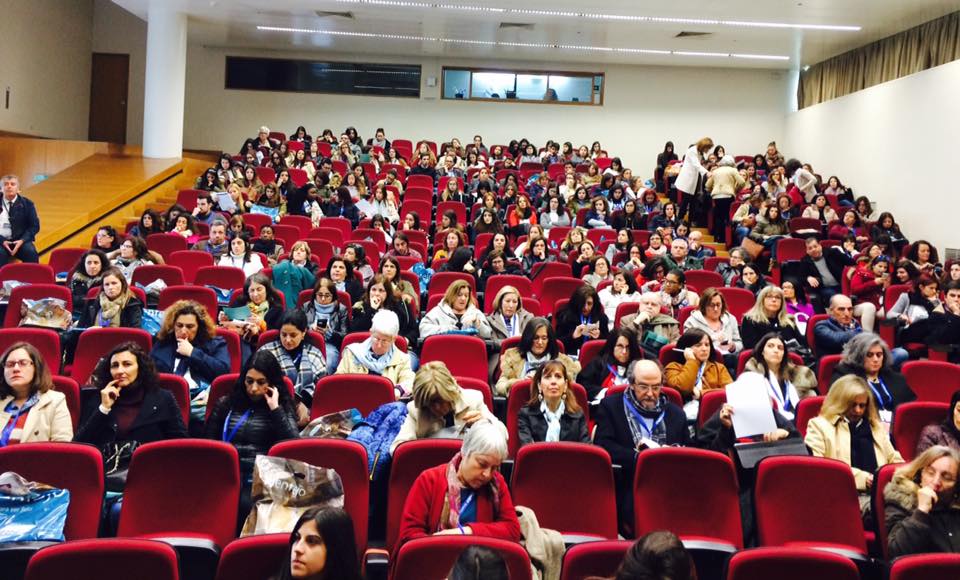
(421, 511)
(866, 287)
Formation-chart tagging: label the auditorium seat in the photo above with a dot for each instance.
(253, 557)
(225, 277)
(495, 283)
(148, 273)
(881, 478)
(27, 272)
(180, 390)
(555, 289)
(349, 460)
(599, 559)
(204, 296)
(166, 244)
(537, 468)
(926, 567)
(34, 292)
(190, 261)
(95, 343)
(933, 381)
(520, 395)
(354, 337)
(909, 420)
(432, 557)
(790, 564)
(336, 393)
(807, 409)
(105, 559)
(463, 355)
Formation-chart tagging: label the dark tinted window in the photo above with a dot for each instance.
(304, 76)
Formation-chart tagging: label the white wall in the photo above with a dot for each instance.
(45, 62)
(643, 108)
(117, 31)
(896, 143)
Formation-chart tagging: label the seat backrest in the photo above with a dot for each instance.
(790, 249)
(166, 244)
(220, 276)
(253, 557)
(442, 280)
(590, 350)
(829, 513)
(811, 324)
(539, 464)
(28, 272)
(691, 492)
(234, 348)
(45, 340)
(704, 279)
(931, 380)
(199, 294)
(353, 337)
(882, 477)
(71, 394)
(154, 498)
(483, 387)
(909, 420)
(190, 261)
(557, 288)
(64, 259)
(105, 559)
(34, 292)
(625, 309)
(710, 403)
(95, 343)
(600, 559)
(349, 460)
(495, 283)
(434, 556)
(464, 355)
(926, 567)
(739, 300)
(807, 409)
(301, 222)
(825, 370)
(339, 392)
(147, 273)
(180, 390)
(410, 459)
(790, 564)
(72, 466)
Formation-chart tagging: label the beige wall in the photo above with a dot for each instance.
(117, 31)
(45, 62)
(895, 143)
(643, 108)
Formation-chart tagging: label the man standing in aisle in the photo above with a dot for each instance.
(19, 224)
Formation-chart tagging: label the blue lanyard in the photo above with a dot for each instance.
(12, 423)
(782, 398)
(618, 379)
(699, 382)
(643, 422)
(233, 432)
(887, 399)
(467, 502)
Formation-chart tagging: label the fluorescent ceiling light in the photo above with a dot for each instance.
(626, 50)
(603, 16)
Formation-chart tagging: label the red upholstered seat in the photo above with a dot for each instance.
(104, 559)
(926, 567)
(339, 392)
(790, 564)
(931, 380)
(464, 356)
(432, 557)
(909, 420)
(95, 343)
(253, 557)
(593, 559)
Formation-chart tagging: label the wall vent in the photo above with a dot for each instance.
(520, 25)
(691, 34)
(329, 14)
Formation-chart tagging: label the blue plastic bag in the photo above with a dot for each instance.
(152, 320)
(35, 516)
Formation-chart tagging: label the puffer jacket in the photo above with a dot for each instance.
(258, 434)
(912, 531)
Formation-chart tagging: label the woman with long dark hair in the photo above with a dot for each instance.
(322, 547)
(609, 368)
(582, 319)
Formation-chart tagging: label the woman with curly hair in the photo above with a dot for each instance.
(188, 345)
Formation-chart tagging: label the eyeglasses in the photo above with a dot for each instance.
(644, 388)
(22, 363)
(945, 477)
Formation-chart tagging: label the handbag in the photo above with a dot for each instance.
(285, 488)
(116, 463)
(753, 248)
(31, 511)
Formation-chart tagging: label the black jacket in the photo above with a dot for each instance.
(836, 261)
(209, 359)
(532, 426)
(350, 212)
(24, 223)
(751, 332)
(130, 316)
(714, 437)
(568, 321)
(613, 432)
(894, 381)
(258, 433)
(363, 314)
(418, 170)
(592, 377)
(159, 419)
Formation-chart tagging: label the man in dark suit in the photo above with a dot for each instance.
(822, 272)
(19, 224)
(639, 418)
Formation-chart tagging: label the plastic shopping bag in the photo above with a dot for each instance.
(31, 511)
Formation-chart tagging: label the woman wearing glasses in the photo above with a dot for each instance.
(30, 410)
(867, 356)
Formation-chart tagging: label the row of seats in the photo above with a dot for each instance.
(691, 492)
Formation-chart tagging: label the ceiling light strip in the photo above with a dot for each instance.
(502, 43)
(603, 16)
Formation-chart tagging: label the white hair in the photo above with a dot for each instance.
(385, 322)
(484, 437)
(727, 161)
(264, 129)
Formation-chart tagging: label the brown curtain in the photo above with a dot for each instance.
(928, 45)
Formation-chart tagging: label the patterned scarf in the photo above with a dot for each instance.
(534, 362)
(450, 515)
(110, 310)
(553, 420)
(363, 352)
(651, 418)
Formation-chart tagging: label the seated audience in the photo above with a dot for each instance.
(241, 256)
(508, 318)
(538, 345)
(674, 294)
(797, 304)
(680, 258)
(301, 361)
(609, 368)
(921, 506)
(945, 433)
(326, 315)
(126, 381)
(341, 272)
(441, 408)
(769, 314)
(849, 429)
(216, 245)
(822, 271)
(832, 334)
(751, 278)
(918, 310)
(582, 319)
(457, 313)
(868, 357)
(32, 410)
(187, 345)
(382, 295)
(264, 310)
(653, 329)
(132, 254)
(268, 245)
(115, 306)
(322, 545)
(258, 413)
(467, 496)
(787, 382)
(552, 413)
(379, 354)
(623, 289)
(713, 318)
(87, 274)
(697, 372)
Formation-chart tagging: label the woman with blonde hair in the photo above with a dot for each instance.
(32, 410)
(849, 429)
(508, 317)
(769, 314)
(921, 504)
(456, 313)
(439, 403)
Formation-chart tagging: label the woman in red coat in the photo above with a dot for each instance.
(467, 496)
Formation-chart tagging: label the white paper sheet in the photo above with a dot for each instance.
(226, 202)
(752, 411)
